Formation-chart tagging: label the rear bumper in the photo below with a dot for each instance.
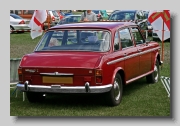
(64, 89)
(21, 27)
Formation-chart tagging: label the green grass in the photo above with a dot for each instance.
(139, 98)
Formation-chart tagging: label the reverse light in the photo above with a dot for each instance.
(19, 71)
(98, 73)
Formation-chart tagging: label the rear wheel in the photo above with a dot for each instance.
(154, 77)
(115, 95)
(35, 96)
(11, 29)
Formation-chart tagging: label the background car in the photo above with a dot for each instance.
(54, 16)
(98, 14)
(70, 19)
(61, 14)
(150, 28)
(18, 23)
(135, 15)
(27, 14)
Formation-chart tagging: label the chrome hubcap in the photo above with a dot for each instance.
(156, 73)
(116, 89)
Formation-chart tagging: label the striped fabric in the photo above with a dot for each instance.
(166, 82)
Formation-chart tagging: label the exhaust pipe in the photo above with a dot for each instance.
(26, 88)
(87, 89)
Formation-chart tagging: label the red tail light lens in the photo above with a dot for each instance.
(98, 74)
(22, 22)
(99, 79)
(20, 74)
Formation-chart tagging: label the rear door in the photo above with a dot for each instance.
(144, 51)
(131, 54)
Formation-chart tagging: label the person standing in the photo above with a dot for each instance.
(88, 16)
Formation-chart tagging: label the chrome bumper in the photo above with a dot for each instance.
(64, 89)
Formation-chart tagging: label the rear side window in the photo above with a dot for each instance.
(15, 16)
(116, 42)
(55, 13)
(137, 36)
(125, 37)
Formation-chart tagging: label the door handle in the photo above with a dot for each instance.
(139, 50)
(125, 54)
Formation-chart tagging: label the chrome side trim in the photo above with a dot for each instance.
(65, 89)
(133, 55)
(114, 61)
(130, 56)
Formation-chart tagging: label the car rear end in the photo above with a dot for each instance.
(72, 65)
(18, 23)
(54, 17)
(98, 14)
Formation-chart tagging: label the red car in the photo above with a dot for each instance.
(61, 15)
(87, 58)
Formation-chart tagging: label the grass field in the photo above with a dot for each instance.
(139, 98)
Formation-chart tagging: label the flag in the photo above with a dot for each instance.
(157, 18)
(36, 23)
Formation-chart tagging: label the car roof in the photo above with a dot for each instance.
(117, 11)
(88, 25)
(12, 14)
(73, 15)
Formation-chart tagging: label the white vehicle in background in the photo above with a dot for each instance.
(54, 17)
(18, 24)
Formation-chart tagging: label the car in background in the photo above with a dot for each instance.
(150, 28)
(54, 17)
(98, 14)
(70, 19)
(137, 16)
(102, 58)
(61, 14)
(18, 24)
(27, 14)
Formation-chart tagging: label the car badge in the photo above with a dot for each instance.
(30, 70)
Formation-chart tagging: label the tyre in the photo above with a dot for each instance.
(35, 96)
(154, 77)
(11, 29)
(115, 95)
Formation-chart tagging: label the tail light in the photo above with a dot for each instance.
(22, 22)
(20, 74)
(53, 18)
(99, 15)
(98, 75)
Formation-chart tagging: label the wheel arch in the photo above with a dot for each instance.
(157, 56)
(12, 27)
(120, 71)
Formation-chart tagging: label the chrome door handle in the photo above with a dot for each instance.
(139, 50)
(125, 54)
